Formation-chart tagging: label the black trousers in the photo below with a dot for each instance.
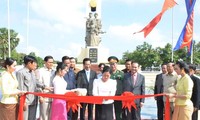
(160, 108)
(72, 115)
(195, 115)
(104, 112)
(90, 111)
(133, 114)
(118, 109)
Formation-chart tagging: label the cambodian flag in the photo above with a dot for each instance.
(186, 37)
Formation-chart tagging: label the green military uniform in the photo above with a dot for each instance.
(119, 77)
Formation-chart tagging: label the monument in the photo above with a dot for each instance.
(92, 49)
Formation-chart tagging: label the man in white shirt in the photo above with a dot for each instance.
(46, 76)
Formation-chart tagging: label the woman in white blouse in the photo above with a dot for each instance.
(104, 87)
(8, 87)
(58, 111)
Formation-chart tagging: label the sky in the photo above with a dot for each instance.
(57, 27)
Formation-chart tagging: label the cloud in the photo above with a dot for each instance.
(21, 37)
(72, 49)
(67, 12)
(49, 27)
(134, 2)
(125, 33)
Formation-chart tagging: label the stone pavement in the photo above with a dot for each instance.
(149, 110)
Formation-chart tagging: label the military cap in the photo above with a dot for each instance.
(113, 59)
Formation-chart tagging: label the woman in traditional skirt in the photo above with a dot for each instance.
(8, 87)
(183, 105)
(58, 110)
(104, 87)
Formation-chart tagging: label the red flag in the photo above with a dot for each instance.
(147, 29)
(151, 25)
(168, 4)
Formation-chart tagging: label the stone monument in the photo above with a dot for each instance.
(94, 31)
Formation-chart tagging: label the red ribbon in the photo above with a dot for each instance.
(74, 104)
(73, 101)
(129, 102)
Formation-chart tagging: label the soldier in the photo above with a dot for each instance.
(119, 77)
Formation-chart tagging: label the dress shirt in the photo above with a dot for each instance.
(9, 86)
(46, 76)
(87, 72)
(27, 82)
(134, 78)
(70, 79)
(169, 82)
(107, 88)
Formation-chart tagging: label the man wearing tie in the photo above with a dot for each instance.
(134, 82)
(85, 79)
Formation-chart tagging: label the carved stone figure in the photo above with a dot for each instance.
(93, 29)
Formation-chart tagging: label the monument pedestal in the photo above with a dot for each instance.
(96, 54)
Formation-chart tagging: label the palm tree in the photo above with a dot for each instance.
(14, 41)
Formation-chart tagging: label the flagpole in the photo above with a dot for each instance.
(192, 52)
(27, 28)
(172, 34)
(8, 7)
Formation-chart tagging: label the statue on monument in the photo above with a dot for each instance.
(93, 29)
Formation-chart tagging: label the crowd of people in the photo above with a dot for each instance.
(177, 81)
(181, 85)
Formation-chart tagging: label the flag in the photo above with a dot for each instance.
(186, 36)
(147, 29)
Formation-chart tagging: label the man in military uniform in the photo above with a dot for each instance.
(119, 77)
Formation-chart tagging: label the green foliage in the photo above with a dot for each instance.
(39, 59)
(165, 53)
(149, 57)
(18, 56)
(14, 41)
(196, 52)
(144, 54)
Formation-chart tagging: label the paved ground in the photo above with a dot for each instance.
(149, 109)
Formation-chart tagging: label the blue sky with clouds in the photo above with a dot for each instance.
(57, 27)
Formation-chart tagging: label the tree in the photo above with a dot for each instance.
(14, 41)
(196, 53)
(19, 57)
(165, 53)
(145, 55)
(40, 62)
